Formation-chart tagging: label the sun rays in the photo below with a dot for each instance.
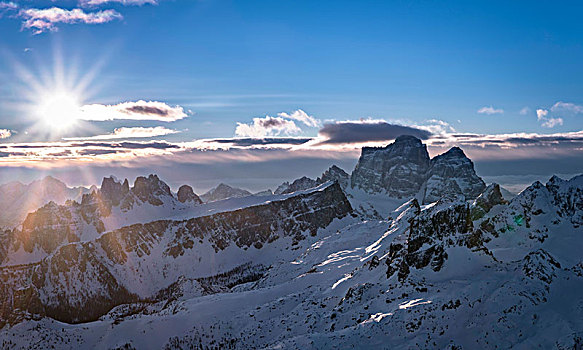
(52, 95)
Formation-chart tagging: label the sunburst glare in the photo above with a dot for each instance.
(53, 96)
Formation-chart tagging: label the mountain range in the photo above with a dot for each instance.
(405, 252)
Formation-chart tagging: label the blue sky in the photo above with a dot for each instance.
(420, 64)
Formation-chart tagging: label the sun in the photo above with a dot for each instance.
(59, 110)
(52, 95)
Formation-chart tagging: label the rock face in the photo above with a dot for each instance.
(428, 235)
(491, 196)
(223, 191)
(403, 169)
(186, 195)
(398, 169)
(452, 174)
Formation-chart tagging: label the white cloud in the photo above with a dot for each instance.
(524, 111)
(127, 133)
(490, 110)
(552, 122)
(4, 5)
(140, 110)
(303, 117)
(435, 126)
(5, 133)
(42, 20)
(268, 126)
(542, 115)
(123, 2)
(567, 107)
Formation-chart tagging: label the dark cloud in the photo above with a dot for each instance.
(25, 146)
(263, 141)
(127, 145)
(61, 154)
(149, 110)
(94, 152)
(354, 132)
(272, 122)
(157, 145)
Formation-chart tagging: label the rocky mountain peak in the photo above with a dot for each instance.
(300, 184)
(398, 169)
(186, 194)
(151, 189)
(18, 199)
(403, 169)
(335, 173)
(51, 180)
(408, 139)
(454, 152)
(113, 190)
(452, 174)
(224, 191)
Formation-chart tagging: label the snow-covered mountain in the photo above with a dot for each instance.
(323, 267)
(223, 191)
(17, 199)
(113, 206)
(334, 173)
(82, 281)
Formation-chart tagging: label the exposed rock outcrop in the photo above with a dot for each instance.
(452, 174)
(186, 195)
(398, 169)
(335, 173)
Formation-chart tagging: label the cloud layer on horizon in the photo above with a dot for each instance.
(478, 146)
(265, 162)
(125, 133)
